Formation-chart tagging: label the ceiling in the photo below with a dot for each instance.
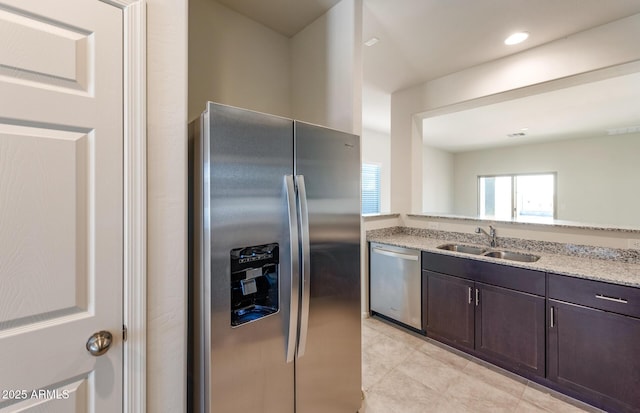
(605, 107)
(286, 17)
(421, 40)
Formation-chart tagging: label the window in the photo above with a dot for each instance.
(528, 197)
(370, 188)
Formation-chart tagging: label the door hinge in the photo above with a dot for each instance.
(124, 333)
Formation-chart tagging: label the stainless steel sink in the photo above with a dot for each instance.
(467, 249)
(504, 255)
(512, 256)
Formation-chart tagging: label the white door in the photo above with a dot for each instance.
(61, 219)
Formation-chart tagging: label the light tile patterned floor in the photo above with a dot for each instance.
(405, 373)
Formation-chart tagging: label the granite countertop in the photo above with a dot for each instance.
(589, 268)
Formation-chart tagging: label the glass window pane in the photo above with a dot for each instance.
(535, 196)
(495, 197)
(370, 189)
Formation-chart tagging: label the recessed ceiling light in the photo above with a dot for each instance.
(516, 38)
(371, 41)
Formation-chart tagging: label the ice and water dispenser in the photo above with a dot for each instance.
(254, 283)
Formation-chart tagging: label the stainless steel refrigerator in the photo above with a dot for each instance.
(275, 276)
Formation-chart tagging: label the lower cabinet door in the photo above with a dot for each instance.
(510, 328)
(595, 353)
(449, 309)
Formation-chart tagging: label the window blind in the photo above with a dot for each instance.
(370, 188)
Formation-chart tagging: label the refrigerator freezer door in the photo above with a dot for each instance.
(328, 373)
(249, 155)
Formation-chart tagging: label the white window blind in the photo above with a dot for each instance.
(370, 188)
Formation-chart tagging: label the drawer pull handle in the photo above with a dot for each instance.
(470, 299)
(615, 300)
(552, 317)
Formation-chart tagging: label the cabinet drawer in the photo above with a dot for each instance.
(447, 264)
(619, 299)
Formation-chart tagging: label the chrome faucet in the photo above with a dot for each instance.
(491, 234)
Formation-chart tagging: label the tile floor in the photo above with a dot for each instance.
(405, 373)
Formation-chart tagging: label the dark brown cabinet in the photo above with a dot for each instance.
(493, 311)
(510, 328)
(575, 335)
(594, 341)
(448, 312)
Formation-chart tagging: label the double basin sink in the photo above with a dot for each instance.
(505, 255)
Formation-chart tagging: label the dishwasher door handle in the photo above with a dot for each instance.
(396, 254)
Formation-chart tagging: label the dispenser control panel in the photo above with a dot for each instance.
(254, 282)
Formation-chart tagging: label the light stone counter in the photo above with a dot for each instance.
(609, 270)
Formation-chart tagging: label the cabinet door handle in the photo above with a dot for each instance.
(615, 300)
(552, 316)
(477, 297)
(470, 299)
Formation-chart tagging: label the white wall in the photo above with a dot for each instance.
(597, 177)
(167, 209)
(315, 76)
(579, 53)
(375, 150)
(235, 61)
(437, 180)
(327, 69)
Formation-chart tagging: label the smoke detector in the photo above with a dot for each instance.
(516, 135)
(519, 134)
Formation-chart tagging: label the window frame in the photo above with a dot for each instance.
(513, 176)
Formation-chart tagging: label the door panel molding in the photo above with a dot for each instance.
(68, 49)
(59, 203)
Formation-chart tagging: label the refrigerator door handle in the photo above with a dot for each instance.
(295, 267)
(305, 265)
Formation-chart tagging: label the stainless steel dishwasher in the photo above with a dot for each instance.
(395, 285)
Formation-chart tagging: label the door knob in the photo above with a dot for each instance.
(99, 343)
